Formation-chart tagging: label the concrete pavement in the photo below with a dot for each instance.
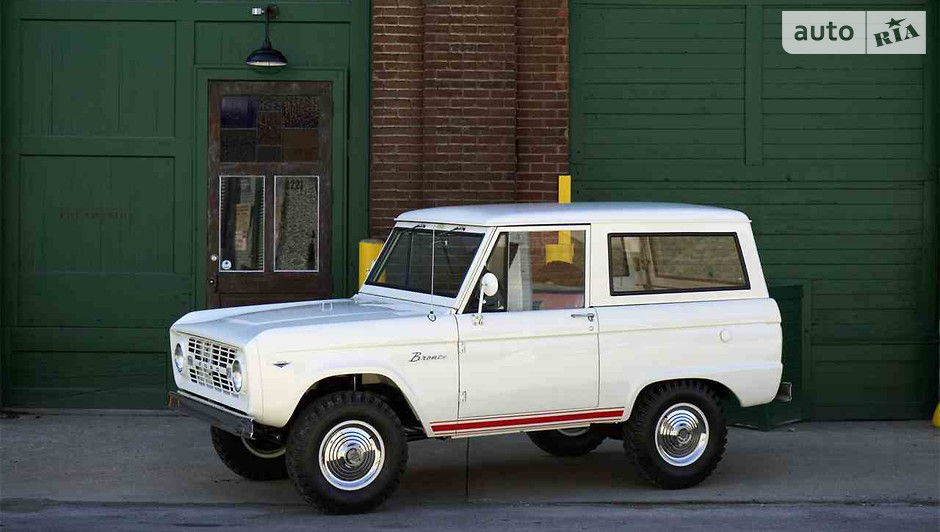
(168, 459)
(48, 517)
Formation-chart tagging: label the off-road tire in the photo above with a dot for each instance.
(315, 422)
(237, 457)
(639, 433)
(557, 443)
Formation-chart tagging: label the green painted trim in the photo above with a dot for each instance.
(9, 185)
(575, 120)
(340, 200)
(931, 234)
(2, 346)
(806, 340)
(829, 4)
(753, 85)
(357, 147)
(320, 11)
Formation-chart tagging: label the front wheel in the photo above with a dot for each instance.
(347, 452)
(567, 442)
(676, 434)
(251, 459)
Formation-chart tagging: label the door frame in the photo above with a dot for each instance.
(340, 231)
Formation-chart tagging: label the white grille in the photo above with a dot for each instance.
(209, 364)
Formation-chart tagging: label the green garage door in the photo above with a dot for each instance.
(104, 179)
(834, 158)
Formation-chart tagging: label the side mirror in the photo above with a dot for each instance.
(489, 285)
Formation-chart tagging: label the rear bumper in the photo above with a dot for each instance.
(237, 424)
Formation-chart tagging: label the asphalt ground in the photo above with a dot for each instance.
(159, 472)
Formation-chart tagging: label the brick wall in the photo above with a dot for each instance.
(469, 103)
(396, 133)
(541, 98)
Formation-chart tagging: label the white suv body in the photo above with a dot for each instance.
(592, 305)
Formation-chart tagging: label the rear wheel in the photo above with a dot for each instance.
(676, 434)
(567, 442)
(347, 452)
(252, 459)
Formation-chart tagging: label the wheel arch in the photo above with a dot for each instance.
(376, 382)
(723, 392)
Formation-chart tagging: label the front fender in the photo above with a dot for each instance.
(429, 383)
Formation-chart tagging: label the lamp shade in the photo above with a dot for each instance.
(266, 57)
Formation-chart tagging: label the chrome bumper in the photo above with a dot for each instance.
(237, 424)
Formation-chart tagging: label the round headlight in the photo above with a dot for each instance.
(236, 376)
(178, 358)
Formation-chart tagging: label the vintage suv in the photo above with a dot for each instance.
(570, 322)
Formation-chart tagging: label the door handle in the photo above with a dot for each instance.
(588, 315)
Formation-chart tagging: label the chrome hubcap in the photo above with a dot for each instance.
(681, 434)
(351, 455)
(263, 449)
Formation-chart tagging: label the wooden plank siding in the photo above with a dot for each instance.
(104, 186)
(832, 157)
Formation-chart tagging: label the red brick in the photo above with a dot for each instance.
(469, 103)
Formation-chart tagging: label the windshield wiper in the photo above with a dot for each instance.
(450, 267)
(412, 229)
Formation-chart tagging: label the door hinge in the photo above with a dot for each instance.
(461, 348)
(463, 397)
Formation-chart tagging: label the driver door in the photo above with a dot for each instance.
(535, 350)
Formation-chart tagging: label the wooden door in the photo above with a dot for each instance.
(270, 190)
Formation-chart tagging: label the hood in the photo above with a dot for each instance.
(238, 325)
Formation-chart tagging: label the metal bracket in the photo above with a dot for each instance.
(785, 392)
(272, 10)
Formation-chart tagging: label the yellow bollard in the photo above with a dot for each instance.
(564, 189)
(563, 251)
(368, 251)
(936, 416)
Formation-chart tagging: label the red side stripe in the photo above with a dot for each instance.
(500, 423)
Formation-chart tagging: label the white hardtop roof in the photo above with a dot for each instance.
(571, 213)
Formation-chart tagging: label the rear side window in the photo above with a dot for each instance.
(645, 264)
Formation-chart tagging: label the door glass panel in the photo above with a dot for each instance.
(297, 222)
(270, 128)
(537, 270)
(241, 223)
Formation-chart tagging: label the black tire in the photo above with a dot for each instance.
(346, 411)
(570, 442)
(237, 456)
(640, 440)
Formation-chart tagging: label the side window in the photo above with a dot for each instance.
(642, 264)
(537, 270)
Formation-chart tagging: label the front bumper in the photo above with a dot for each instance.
(237, 424)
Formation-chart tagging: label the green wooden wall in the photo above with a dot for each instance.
(103, 211)
(834, 158)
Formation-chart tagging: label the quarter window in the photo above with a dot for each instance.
(642, 264)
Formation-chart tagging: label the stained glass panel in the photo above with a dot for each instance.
(272, 128)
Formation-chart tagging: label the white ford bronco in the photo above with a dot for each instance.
(570, 322)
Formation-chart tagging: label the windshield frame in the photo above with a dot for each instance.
(421, 297)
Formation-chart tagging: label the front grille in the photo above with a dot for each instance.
(209, 364)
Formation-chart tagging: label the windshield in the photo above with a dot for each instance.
(426, 260)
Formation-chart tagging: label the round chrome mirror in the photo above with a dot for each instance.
(489, 284)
